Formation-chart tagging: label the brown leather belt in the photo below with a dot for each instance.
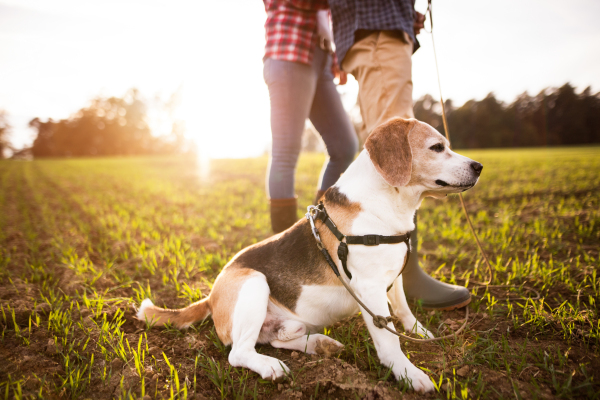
(360, 34)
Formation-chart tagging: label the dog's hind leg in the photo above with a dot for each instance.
(311, 344)
(290, 329)
(249, 315)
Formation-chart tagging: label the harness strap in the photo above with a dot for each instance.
(365, 240)
(324, 217)
(343, 256)
(374, 240)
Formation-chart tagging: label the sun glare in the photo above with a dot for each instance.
(225, 104)
(215, 62)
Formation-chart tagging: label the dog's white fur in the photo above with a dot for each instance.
(385, 210)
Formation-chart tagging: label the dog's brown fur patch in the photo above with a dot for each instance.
(292, 259)
(288, 260)
(335, 198)
(390, 151)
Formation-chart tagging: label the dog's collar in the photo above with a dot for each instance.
(320, 213)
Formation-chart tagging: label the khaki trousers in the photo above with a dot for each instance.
(382, 65)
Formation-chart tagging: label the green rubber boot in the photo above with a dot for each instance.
(433, 294)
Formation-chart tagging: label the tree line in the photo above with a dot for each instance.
(119, 125)
(555, 117)
(109, 126)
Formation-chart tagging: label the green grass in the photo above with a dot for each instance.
(83, 240)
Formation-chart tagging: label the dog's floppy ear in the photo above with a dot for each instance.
(390, 151)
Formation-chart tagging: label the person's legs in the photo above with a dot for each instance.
(381, 63)
(331, 121)
(291, 90)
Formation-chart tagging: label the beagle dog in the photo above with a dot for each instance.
(282, 291)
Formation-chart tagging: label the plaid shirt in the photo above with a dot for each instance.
(381, 15)
(291, 29)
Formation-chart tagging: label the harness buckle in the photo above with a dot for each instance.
(371, 240)
(310, 216)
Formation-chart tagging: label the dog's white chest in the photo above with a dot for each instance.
(379, 265)
(322, 305)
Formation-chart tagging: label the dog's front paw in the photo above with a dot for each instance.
(417, 379)
(273, 369)
(416, 327)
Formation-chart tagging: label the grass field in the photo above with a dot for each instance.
(82, 241)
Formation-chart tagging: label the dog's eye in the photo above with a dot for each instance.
(438, 148)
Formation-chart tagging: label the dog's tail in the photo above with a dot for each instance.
(181, 319)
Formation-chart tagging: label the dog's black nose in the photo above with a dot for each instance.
(477, 167)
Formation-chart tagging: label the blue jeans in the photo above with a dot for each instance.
(298, 91)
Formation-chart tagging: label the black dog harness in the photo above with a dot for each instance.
(381, 322)
(319, 213)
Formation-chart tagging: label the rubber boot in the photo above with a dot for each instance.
(320, 194)
(284, 213)
(433, 294)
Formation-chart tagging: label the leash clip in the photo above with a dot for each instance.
(310, 216)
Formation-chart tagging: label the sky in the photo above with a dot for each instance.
(55, 56)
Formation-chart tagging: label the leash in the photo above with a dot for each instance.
(491, 273)
(318, 213)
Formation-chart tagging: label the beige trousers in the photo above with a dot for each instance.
(382, 65)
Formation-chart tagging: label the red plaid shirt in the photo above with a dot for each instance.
(291, 29)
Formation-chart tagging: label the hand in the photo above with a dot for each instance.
(337, 73)
(419, 22)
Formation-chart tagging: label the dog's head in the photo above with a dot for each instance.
(407, 152)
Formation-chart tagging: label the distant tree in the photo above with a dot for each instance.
(109, 126)
(590, 103)
(428, 110)
(4, 131)
(480, 124)
(553, 117)
(522, 113)
(567, 116)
